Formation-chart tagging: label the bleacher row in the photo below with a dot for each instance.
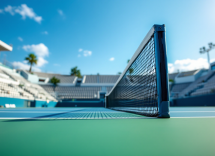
(14, 76)
(209, 87)
(177, 88)
(203, 85)
(15, 86)
(101, 78)
(6, 90)
(74, 92)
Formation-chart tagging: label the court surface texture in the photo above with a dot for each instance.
(97, 113)
(104, 132)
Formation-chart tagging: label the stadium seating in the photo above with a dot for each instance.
(74, 92)
(8, 90)
(179, 87)
(208, 87)
(101, 78)
(91, 79)
(99, 82)
(196, 84)
(14, 85)
(108, 78)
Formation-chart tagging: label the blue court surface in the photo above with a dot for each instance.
(97, 113)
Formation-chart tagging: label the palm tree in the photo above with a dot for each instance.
(54, 81)
(131, 70)
(32, 59)
(119, 73)
(171, 80)
(76, 72)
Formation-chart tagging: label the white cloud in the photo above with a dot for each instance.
(87, 53)
(40, 50)
(60, 12)
(45, 32)
(188, 64)
(10, 9)
(41, 61)
(20, 39)
(112, 59)
(24, 11)
(38, 19)
(24, 66)
(1, 11)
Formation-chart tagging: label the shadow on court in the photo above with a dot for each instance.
(43, 118)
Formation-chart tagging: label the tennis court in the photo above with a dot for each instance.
(44, 131)
(135, 121)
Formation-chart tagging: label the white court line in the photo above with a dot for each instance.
(27, 112)
(80, 118)
(58, 112)
(190, 111)
(196, 117)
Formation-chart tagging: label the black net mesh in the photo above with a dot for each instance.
(137, 90)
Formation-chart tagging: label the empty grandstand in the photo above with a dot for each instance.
(15, 90)
(13, 85)
(91, 87)
(182, 84)
(64, 92)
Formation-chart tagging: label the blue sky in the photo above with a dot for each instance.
(99, 36)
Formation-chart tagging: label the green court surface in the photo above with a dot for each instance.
(116, 137)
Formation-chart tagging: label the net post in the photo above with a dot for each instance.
(162, 71)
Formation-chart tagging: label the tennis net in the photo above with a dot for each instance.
(143, 86)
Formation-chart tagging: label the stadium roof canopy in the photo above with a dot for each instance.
(5, 47)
